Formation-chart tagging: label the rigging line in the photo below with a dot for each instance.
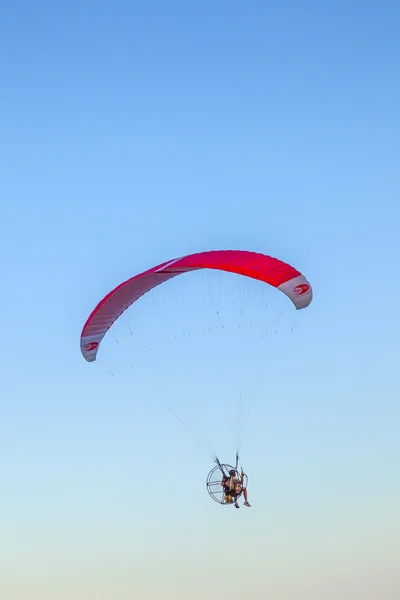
(194, 434)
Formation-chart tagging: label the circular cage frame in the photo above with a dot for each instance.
(214, 479)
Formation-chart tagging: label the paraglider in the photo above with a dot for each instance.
(249, 264)
(225, 483)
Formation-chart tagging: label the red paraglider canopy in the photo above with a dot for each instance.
(249, 264)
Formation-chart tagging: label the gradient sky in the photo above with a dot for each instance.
(132, 133)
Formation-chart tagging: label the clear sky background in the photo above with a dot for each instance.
(132, 133)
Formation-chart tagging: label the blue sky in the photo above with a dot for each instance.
(132, 133)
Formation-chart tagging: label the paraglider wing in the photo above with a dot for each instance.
(249, 264)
